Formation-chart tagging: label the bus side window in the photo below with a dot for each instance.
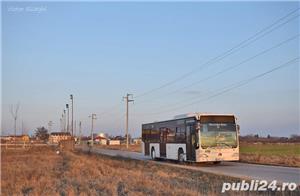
(171, 135)
(180, 134)
(204, 128)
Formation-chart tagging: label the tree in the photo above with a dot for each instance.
(42, 133)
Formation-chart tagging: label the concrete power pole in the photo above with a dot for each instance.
(64, 120)
(14, 114)
(68, 117)
(79, 132)
(127, 113)
(75, 128)
(72, 125)
(23, 128)
(60, 124)
(93, 117)
(50, 123)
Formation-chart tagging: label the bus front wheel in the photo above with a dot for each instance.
(153, 157)
(180, 155)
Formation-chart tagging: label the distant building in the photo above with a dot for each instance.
(56, 137)
(17, 138)
(114, 142)
(104, 135)
(6, 139)
(100, 140)
(137, 140)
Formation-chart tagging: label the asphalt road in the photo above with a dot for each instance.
(233, 169)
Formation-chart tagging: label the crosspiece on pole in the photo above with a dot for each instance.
(127, 114)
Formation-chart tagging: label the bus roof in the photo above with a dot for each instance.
(196, 115)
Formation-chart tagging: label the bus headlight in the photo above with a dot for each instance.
(203, 156)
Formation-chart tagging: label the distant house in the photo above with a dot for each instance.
(6, 139)
(100, 140)
(56, 137)
(25, 138)
(17, 138)
(137, 140)
(21, 138)
(114, 142)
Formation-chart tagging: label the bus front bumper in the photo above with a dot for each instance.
(213, 155)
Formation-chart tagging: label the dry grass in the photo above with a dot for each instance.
(284, 154)
(283, 160)
(131, 147)
(34, 170)
(40, 171)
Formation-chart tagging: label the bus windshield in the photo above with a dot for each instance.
(218, 134)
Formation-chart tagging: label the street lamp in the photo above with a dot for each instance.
(67, 106)
(64, 120)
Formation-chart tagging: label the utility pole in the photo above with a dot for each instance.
(14, 114)
(60, 124)
(72, 102)
(127, 113)
(22, 127)
(79, 132)
(75, 128)
(50, 123)
(64, 120)
(93, 116)
(68, 116)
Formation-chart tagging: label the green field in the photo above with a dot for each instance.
(271, 149)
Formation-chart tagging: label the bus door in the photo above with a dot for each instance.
(190, 142)
(163, 141)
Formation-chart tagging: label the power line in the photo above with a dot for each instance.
(233, 86)
(109, 110)
(229, 68)
(263, 32)
(226, 53)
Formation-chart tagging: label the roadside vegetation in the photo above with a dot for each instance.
(284, 154)
(40, 171)
(131, 147)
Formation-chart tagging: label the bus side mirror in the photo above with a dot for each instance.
(238, 128)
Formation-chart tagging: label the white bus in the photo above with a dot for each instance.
(195, 138)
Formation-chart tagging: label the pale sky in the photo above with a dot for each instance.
(100, 51)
